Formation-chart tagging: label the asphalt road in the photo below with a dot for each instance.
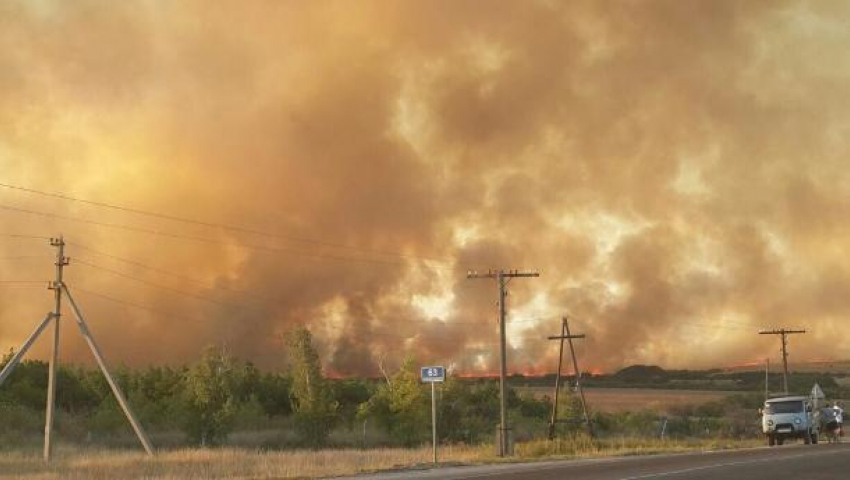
(797, 462)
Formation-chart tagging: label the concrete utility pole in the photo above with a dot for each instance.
(503, 277)
(783, 333)
(56, 286)
(60, 288)
(566, 335)
(101, 362)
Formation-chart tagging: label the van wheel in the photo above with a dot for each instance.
(780, 441)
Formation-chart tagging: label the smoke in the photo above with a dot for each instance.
(676, 171)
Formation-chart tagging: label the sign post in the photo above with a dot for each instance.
(434, 375)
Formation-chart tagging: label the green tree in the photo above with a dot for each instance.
(468, 410)
(400, 406)
(351, 393)
(273, 393)
(210, 396)
(313, 406)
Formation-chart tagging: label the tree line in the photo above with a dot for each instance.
(207, 400)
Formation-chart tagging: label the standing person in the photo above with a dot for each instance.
(839, 417)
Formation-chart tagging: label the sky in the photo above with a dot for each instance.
(676, 171)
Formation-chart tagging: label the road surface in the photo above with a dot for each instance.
(797, 462)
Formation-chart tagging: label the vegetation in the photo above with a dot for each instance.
(230, 463)
(222, 401)
(400, 406)
(315, 410)
(210, 397)
(653, 377)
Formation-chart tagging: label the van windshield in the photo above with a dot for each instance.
(783, 407)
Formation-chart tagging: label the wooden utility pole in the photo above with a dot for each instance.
(502, 277)
(567, 335)
(766, 378)
(783, 333)
(554, 418)
(60, 288)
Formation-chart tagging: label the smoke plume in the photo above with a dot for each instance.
(676, 171)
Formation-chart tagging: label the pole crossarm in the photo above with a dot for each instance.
(779, 332)
(503, 273)
(565, 337)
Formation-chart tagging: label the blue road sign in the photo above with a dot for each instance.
(433, 374)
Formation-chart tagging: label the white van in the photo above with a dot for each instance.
(790, 417)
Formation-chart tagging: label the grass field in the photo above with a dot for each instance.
(612, 400)
(831, 366)
(229, 463)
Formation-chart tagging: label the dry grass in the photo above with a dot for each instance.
(582, 447)
(231, 463)
(614, 400)
(226, 463)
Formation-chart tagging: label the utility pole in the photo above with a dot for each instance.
(783, 333)
(56, 286)
(61, 289)
(766, 378)
(567, 335)
(554, 418)
(503, 277)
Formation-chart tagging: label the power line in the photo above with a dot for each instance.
(180, 276)
(79, 261)
(266, 301)
(156, 285)
(18, 235)
(418, 336)
(222, 226)
(136, 305)
(24, 257)
(169, 273)
(183, 317)
(130, 228)
(235, 306)
(205, 284)
(711, 324)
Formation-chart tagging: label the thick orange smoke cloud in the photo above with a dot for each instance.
(677, 171)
